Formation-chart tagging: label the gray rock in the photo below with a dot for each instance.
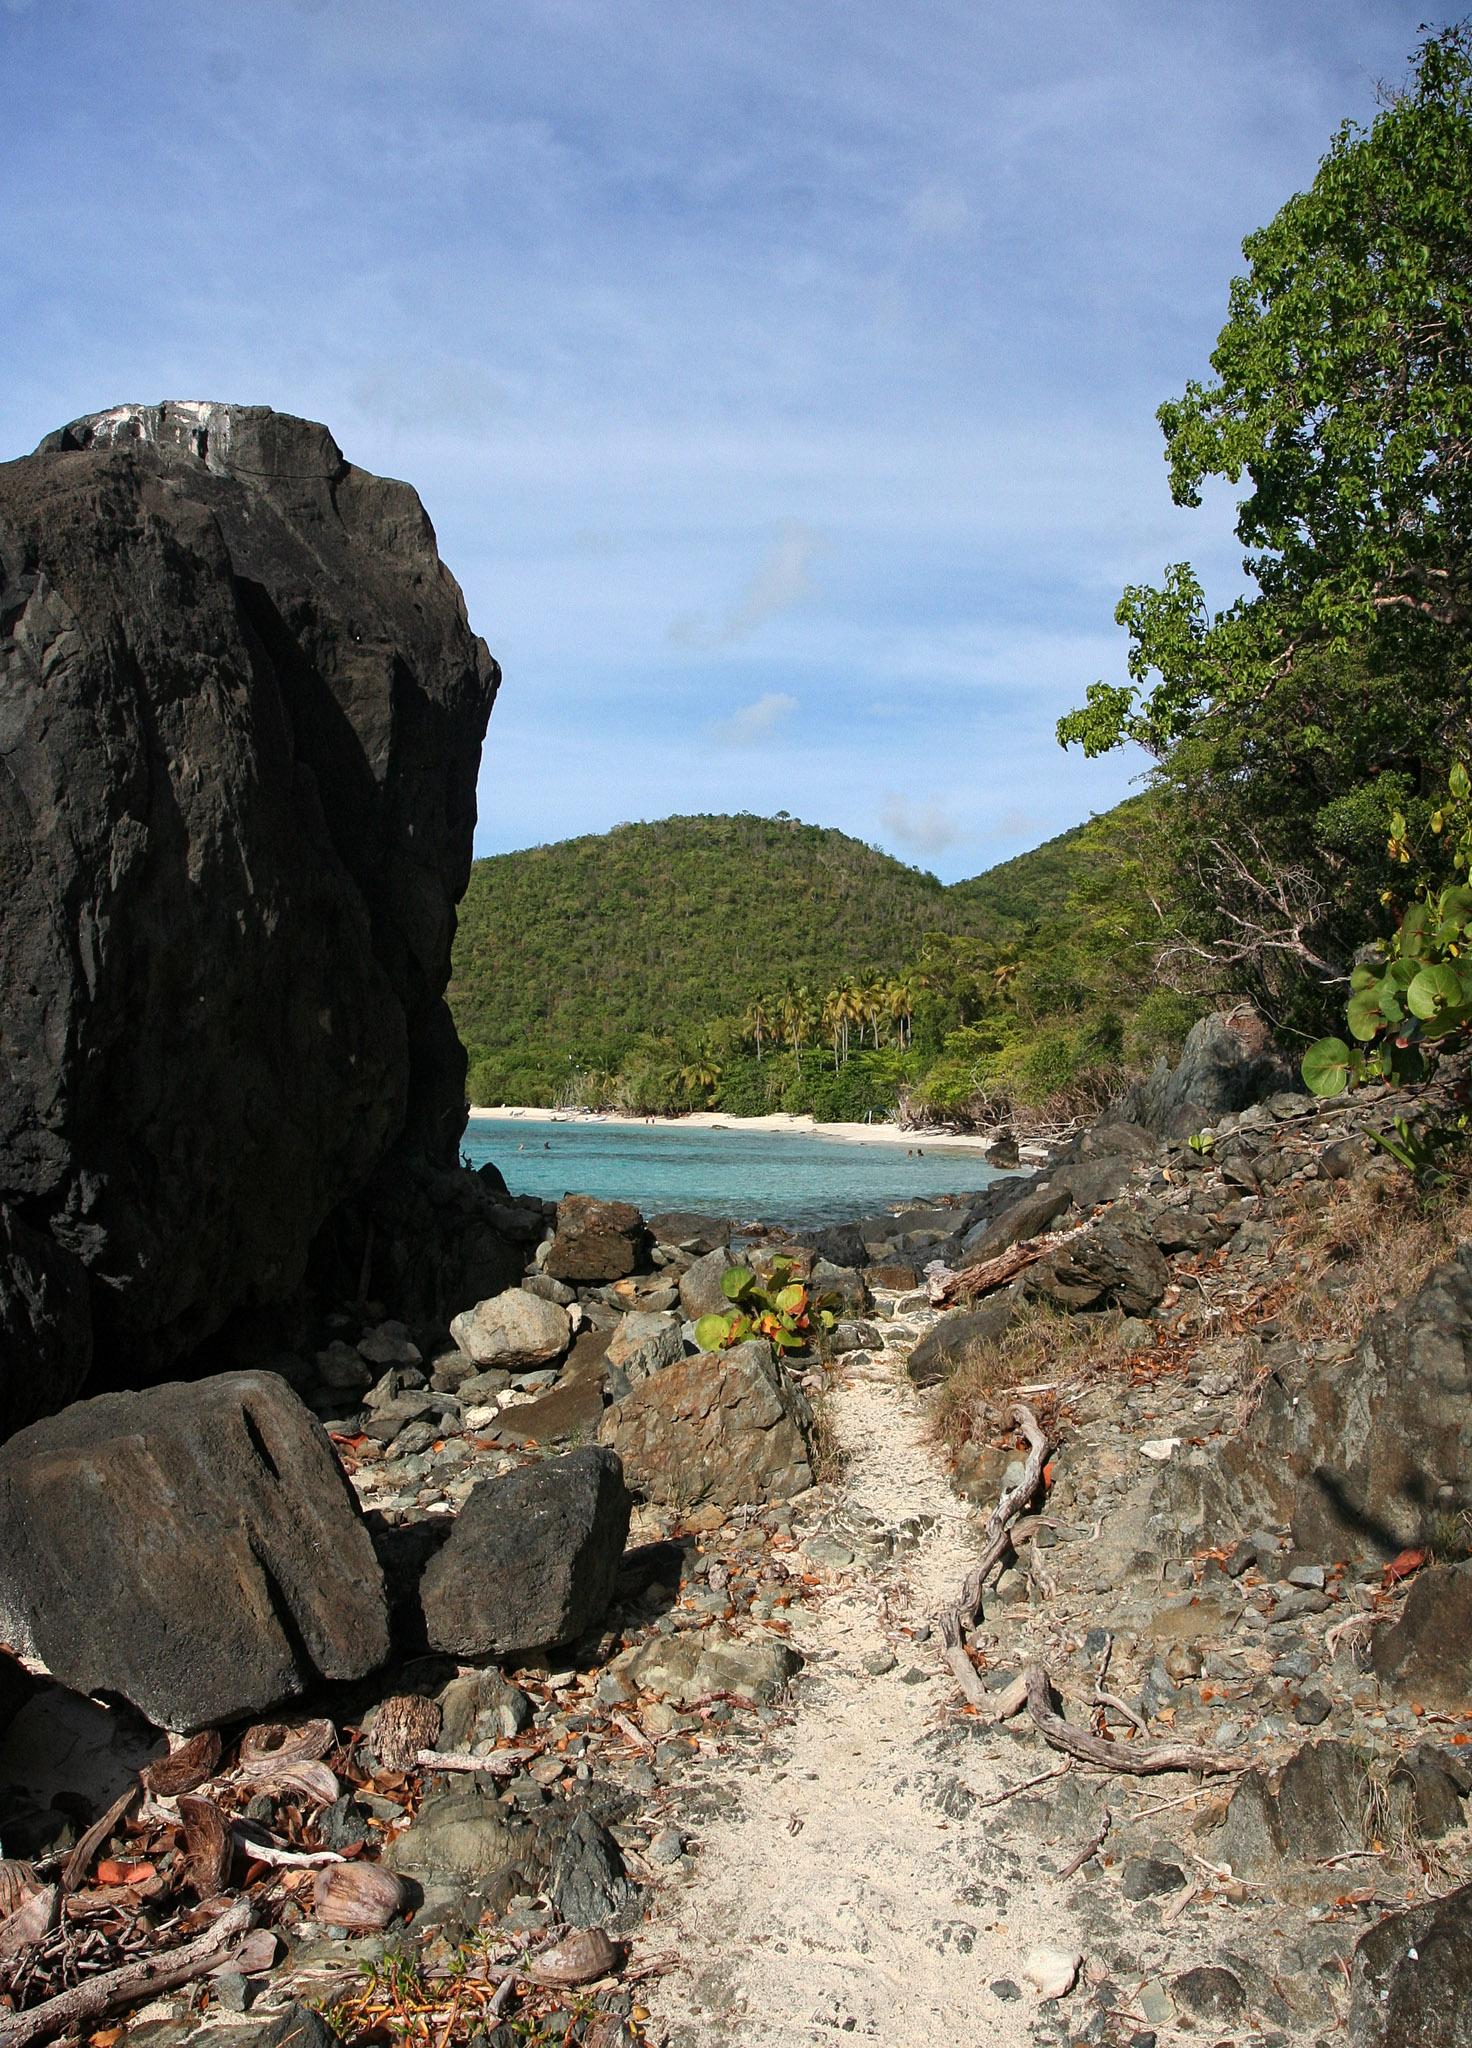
(288, 2026)
(688, 1668)
(841, 1244)
(1149, 1877)
(1313, 1808)
(1426, 1655)
(1211, 1992)
(1225, 1065)
(960, 1338)
(1028, 1216)
(1114, 1264)
(461, 1835)
(1370, 1457)
(644, 1343)
(532, 1559)
(1411, 1981)
(550, 1289)
(589, 1886)
(728, 1427)
(515, 1332)
(194, 1548)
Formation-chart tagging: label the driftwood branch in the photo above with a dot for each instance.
(1135, 1759)
(966, 1612)
(972, 1281)
(1090, 1848)
(129, 1985)
(498, 1763)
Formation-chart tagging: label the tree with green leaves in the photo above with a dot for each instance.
(1293, 724)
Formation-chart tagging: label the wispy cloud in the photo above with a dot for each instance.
(924, 827)
(779, 583)
(756, 722)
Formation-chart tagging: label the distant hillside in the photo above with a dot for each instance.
(568, 953)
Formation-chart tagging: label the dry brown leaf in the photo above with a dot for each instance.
(279, 1743)
(360, 1896)
(29, 1922)
(17, 1884)
(206, 1843)
(184, 1768)
(579, 1959)
(307, 1779)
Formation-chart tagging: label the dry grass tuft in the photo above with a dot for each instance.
(1044, 1347)
(1371, 1243)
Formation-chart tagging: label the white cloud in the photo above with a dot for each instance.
(939, 213)
(779, 583)
(923, 826)
(749, 726)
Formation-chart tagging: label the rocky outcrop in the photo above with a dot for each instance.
(1370, 1456)
(532, 1559)
(242, 711)
(1226, 1064)
(193, 1548)
(1411, 1984)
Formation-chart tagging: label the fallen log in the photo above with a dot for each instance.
(970, 1282)
(131, 1984)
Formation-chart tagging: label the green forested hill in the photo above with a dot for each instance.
(576, 949)
(629, 962)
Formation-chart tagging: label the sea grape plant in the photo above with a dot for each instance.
(1411, 996)
(777, 1307)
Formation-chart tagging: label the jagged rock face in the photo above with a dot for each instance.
(240, 717)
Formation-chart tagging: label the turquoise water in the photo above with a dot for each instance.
(750, 1176)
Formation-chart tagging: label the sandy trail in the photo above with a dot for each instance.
(833, 1896)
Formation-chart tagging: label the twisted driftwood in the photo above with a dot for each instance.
(1136, 1759)
(966, 1611)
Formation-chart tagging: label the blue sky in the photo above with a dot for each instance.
(780, 375)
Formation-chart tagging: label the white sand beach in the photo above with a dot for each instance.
(930, 1139)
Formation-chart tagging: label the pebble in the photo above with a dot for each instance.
(1052, 1972)
(880, 1661)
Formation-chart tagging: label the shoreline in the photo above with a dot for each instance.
(804, 1126)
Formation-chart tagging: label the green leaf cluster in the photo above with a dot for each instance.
(1411, 996)
(776, 1306)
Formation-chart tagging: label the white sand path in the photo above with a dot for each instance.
(828, 1900)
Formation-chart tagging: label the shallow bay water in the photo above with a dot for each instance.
(767, 1176)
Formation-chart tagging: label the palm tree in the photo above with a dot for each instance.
(834, 1023)
(795, 1014)
(758, 1024)
(899, 1000)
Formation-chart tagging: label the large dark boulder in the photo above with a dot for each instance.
(964, 1337)
(241, 710)
(192, 1547)
(532, 1560)
(1115, 1264)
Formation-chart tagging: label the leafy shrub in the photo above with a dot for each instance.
(778, 1308)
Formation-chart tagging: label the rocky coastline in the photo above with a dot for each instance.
(413, 1633)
